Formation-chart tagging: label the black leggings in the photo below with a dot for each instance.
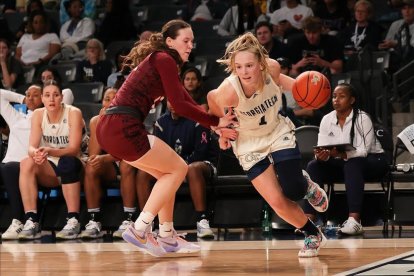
(291, 179)
(10, 175)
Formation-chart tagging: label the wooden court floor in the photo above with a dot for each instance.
(218, 257)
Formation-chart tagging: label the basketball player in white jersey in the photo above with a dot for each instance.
(266, 145)
(54, 150)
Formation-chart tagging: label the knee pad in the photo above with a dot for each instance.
(69, 169)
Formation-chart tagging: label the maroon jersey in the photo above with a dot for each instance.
(156, 77)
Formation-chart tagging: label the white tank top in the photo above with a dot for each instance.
(56, 135)
(262, 129)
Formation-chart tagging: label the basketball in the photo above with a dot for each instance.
(311, 90)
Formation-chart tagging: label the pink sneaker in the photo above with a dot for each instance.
(316, 196)
(176, 244)
(312, 244)
(144, 240)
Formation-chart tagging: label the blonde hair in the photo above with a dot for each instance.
(367, 4)
(245, 42)
(100, 46)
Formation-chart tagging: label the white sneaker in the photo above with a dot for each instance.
(31, 231)
(204, 230)
(70, 231)
(351, 227)
(122, 228)
(13, 231)
(93, 230)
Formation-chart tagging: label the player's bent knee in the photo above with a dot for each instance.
(69, 169)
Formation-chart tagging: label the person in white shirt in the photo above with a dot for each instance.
(75, 33)
(294, 12)
(38, 46)
(347, 124)
(19, 124)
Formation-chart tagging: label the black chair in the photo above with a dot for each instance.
(113, 48)
(67, 71)
(14, 20)
(237, 203)
(89, 110)
(205, 28)
(307, 138)
(89, 92)
(211, 46)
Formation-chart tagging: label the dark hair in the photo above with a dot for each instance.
(157, 43)
(356, 111)
(31, 19)
(7, 42)
(55, 73)
(29, 6)
(69, 3)
(195, 71)
(263, 24)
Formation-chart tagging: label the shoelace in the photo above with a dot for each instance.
(125, 224)
(310, 242)
(92, 225)
(29, 225)
(71, 224)
(204, 223)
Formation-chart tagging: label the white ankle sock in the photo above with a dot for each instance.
(166, 229)
(144, 219)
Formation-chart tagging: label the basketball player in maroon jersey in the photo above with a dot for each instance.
(121, 131)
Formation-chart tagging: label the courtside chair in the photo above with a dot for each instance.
(89, 92)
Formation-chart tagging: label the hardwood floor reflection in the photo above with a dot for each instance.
(273, 257)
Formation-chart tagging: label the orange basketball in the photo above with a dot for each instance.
(311, 90)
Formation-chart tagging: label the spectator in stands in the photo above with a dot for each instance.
(75, 32)
(334, 15)
(314, 50)
(347, 124)
(54, 147)
(89, 10)
(231, 24)
(364, 31)
(121, 71)
(95, 67)
(11, 72)
(34, 5)
(192, 82)
(48, 74)
(284, 31)
(102, 168)
(273, 46)
(190, 140)
(38, 46)
(294, 12)
(18, 144)
(400, 37)
(117, 13)
(266, 146)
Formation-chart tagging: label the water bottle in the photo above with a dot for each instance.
(266, 219)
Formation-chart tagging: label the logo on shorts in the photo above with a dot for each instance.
(252, 157)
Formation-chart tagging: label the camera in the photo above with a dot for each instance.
(405, 167)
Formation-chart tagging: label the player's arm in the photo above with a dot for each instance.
(284, 81)
(221, 98)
